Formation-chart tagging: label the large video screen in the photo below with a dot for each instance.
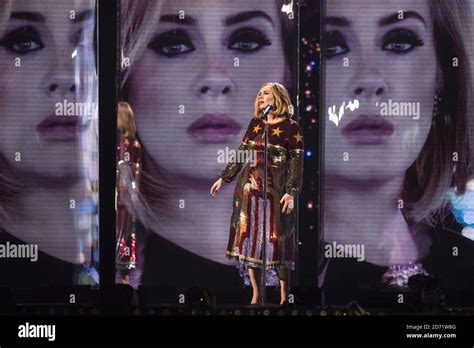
(398, 183)
(48, 143)
(191, 72)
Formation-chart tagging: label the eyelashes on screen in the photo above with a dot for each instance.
(172, 43)
(401, 41)
(22, 41)
(335, 44)
(248, 40)
(177, 42)
(398, 41)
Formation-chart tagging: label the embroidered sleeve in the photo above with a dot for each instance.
(294, 181)
(234, 167)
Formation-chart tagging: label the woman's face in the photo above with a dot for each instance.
(45, 53)
(265, 97)
(193, 89)
(382, 54)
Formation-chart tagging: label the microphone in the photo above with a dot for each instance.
(267, 111)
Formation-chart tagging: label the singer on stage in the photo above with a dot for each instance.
(284, 181)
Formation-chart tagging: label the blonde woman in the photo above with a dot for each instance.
(285, 180)
(128, 185)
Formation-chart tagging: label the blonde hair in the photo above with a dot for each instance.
(282, 105)
(434, 173)
(126, 120)
(137, 19)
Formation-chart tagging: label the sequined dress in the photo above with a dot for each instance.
(285, 175)
(128, 181)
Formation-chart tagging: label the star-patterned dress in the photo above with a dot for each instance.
(285, 175)
(128, 181)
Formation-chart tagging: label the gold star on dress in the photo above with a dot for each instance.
(277, 131)
(257, 128)
(299, 137)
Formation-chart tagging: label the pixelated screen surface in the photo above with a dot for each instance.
(397, 139)
(185, 64)
(48, 143)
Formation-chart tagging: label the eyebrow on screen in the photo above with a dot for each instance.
(85, 15)
(38, 17)
(233, 19)
(28, 16)
(246, 16)
(339, 21)
(387, 20)
(393, 18)
(188, 20)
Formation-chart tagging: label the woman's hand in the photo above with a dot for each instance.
(216, 187)
(288, 203)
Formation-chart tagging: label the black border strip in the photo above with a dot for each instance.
(108, 43)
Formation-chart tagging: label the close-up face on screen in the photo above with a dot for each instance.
(191, 73)
(270, 158)
(48, 142)
(397, 149)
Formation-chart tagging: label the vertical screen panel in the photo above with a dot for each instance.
(188, 66)
(397, 151)
(48, 146)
